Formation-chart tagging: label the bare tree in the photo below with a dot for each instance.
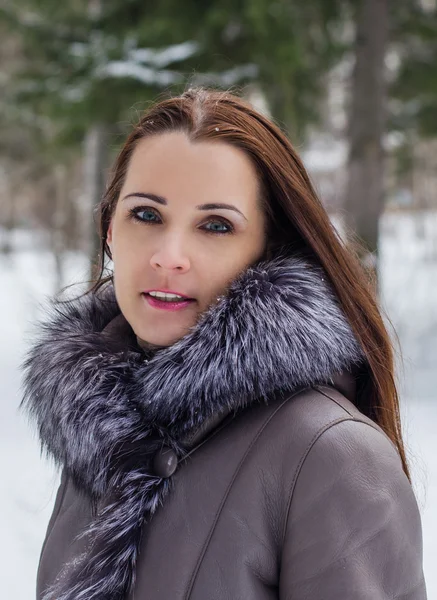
(59, 222)
(364, 197)
(95, 166)
(96, 157)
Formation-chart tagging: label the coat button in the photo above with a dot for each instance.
(165, 462)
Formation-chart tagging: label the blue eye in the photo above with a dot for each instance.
(225, 228)
(143, 214)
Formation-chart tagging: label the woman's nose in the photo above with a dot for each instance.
(170, 257)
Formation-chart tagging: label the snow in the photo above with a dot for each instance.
(226, 78)
(162, 58)
(149, 66)
(141, 73)
(29, 483)
(162, 77)
(325, 153)
(409, 297)
(409, 272)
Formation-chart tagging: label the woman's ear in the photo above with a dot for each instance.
(109, 236)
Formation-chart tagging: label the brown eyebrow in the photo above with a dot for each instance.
(163, 201)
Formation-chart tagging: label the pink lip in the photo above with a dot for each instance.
(172, 306)
(167, 292)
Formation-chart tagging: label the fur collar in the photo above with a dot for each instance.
(103, 408)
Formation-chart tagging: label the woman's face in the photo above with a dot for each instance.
(188, 221)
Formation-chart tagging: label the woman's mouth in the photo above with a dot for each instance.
(168, 302)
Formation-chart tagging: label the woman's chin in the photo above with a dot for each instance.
(160, 339)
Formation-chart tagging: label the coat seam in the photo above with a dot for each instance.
(299, 469)
(228, 489)
(321, 391)
(357, 418)
(353, 419)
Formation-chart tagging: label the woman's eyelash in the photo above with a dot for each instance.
(135, 212)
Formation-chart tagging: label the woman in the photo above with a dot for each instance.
(223, 406)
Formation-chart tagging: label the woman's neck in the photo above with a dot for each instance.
(148, 347)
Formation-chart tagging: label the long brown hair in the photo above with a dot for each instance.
(297, 222)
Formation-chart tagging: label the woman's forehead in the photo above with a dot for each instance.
(176, 168)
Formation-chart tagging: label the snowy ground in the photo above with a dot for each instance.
(409, 270)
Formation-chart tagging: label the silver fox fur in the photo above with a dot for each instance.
(103, 409)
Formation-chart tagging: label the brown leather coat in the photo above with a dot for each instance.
(232, 465)
(304, 499)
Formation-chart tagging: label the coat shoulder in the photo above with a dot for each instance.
(329, 433)
(353, 522)
(309, 413)
(326, 433)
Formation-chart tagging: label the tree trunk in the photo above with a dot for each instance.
(59, 223)
(95, 171)
(8, 213)
(364, 198)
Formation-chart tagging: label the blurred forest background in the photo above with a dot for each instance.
(352, 82)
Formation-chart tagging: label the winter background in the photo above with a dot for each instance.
(409, 278)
